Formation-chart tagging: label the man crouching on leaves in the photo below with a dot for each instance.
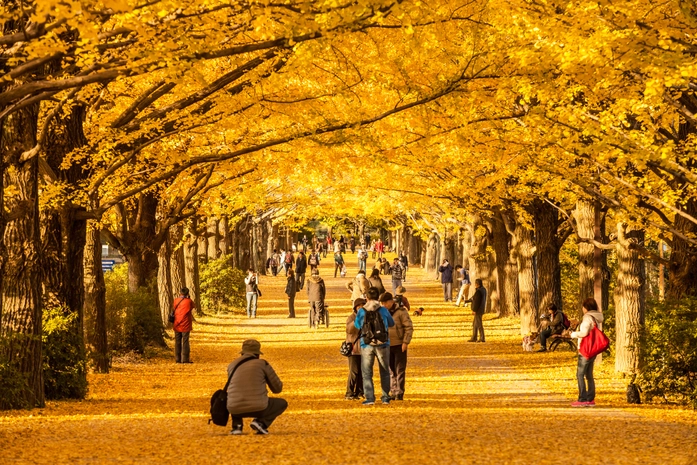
(247, 395)
(374, 321)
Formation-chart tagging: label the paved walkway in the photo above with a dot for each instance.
(465, 403)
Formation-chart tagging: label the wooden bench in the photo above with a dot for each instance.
(556, 340)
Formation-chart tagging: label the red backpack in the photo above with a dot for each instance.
(565, 321)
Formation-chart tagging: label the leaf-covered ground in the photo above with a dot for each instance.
(465, 403)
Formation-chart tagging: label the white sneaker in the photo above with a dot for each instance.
(259, 427)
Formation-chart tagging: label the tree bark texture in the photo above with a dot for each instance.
(432, 253)
(193, 281)
(20, 320)
(165, 293)
(525, 257)
(64, 239)
(95, 301)
(682, 269)
(630, 298)
(213, 238)
(176, 260)
(585, 224)
(546, 219)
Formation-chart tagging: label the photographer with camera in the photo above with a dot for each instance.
(446, 279)
(252, 286)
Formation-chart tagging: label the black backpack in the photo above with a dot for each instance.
(374, 332)
(219, 411)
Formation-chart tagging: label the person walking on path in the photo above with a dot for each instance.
(362, 260)
(183, 324)
(400, 337)
(397, 271)
(288, 264)
(275, 262)
(404, 260)
(446, 279)
(463, 277)
(316, 292)
(291, 289)
(358, 287)
(380, 248)
(556, 326)
(373, 320)
(376, 281)
(338, 263)
(592, 316)
(252, 287)
(478, 301)
(304, 242)
(313, 260)
(300, 269)
(246, 394)
(354, 384)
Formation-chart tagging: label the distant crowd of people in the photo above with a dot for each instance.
(379, 327)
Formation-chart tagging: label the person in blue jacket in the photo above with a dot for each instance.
(374, 345)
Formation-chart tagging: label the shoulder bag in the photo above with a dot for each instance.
(346, 348)
(170, 317)
(595, 343)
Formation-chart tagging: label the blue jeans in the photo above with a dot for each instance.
(585, 370)
(368, 355)
(361, 265)
(252, 304)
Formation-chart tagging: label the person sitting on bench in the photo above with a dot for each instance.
(556, 326)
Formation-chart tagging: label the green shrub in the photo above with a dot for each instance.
(222, 287)
(133, 319)
(13, 383)
(64, 362)
(668, 348)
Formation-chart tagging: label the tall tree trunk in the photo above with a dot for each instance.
(479, 256)
(202, 245)
(213, 238)
(137, 244)
(95, 300)
(682, 277)
(431, 253)
(223, 243)
(270, 238)
(601, 273)
(193, 281)
(64, 239)
(630, 298)
(165, 292)
(505, 305)
(585, 223)
(529, 312)
(176, 261)
(20, 320)
(256, 249)
(546, 219)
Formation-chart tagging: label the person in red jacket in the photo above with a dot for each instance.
(183, 322)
